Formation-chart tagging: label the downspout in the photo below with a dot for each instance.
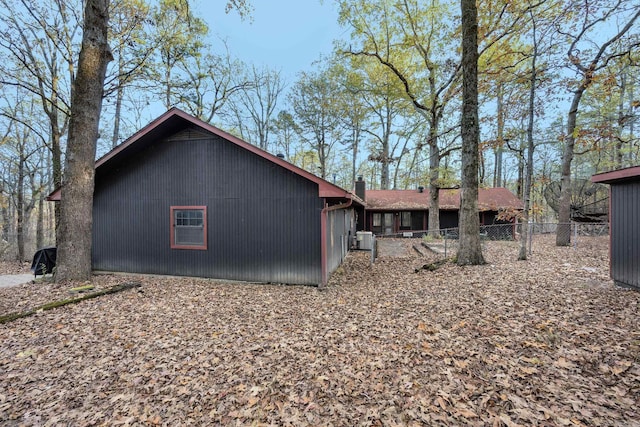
(323, 237)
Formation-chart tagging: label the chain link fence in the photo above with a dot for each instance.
(445, 241)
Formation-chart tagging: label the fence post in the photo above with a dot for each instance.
(445, 244)
(373, 248)
(530, 225)
(575, 235)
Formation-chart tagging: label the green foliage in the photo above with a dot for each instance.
(429, 238)
(81, 289)
(314, 99)
(180, 38)
(243, 7)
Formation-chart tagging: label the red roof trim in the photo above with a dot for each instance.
(325, 188)
(617, 175)
(54, 196)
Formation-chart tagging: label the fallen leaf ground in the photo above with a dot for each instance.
(549, 341)
(14, 267)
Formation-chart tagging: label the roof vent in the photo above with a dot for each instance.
(421, 189)
(280, 155)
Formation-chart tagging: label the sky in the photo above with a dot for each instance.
(285, 35)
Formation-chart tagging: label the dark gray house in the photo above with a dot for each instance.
(624, 224)
(182, 197)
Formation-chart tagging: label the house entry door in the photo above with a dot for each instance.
(388, 223)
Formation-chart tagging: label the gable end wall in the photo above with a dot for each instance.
(263, 220)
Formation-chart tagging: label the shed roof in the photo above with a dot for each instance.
(175, 120)
(489, 199)
(626, 174)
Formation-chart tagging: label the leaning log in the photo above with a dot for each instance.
(61, 303)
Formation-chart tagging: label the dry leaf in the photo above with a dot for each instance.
(507, 343)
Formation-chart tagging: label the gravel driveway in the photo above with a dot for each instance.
(9, 280)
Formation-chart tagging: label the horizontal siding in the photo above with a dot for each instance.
(263, 220)
(625, 233)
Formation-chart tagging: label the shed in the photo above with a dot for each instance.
(182, 197)
(624, 227)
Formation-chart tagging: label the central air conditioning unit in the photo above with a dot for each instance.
(365, 240)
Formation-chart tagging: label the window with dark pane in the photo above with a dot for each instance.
(406, 220)
(377, 220)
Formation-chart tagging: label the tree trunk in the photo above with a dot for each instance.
(412, 165)
(5, 222)
(354, 154)
(116, 119)
(386, 157)
(322, 157)
(76, 205)
(167, 82)
(20, 206)
(618, 158)
(497, 179)
(56, 166)
(470, 250)
(520, 179)
(52, 208)
(524, 236)
(563, 232)
(398, 160)
(434, 187)
(384, 163)
(40, 220)
(481, 167)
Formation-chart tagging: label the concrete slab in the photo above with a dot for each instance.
(9, 280)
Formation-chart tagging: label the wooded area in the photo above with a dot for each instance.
(557, 96)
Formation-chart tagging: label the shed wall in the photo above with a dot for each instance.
(340, 229)
(625, 233)
(263, 220)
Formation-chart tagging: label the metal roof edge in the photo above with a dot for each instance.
(616, 175)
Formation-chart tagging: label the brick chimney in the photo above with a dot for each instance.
(361, 188)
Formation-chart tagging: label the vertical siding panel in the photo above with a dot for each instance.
(617, 240)
(624, 247)
(339, 228)
(615, 226)
(633, 233)
(263, 220)
(625, 233)
(627, 247)
(628, 202)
